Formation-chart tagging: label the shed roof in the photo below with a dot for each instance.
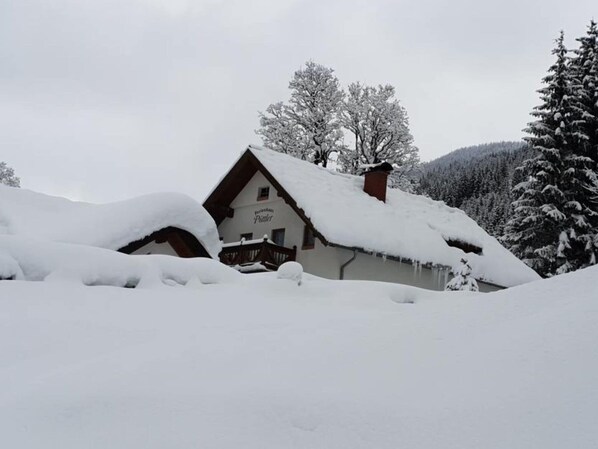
(112, 225)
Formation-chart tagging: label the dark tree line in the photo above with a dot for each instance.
(478, 180)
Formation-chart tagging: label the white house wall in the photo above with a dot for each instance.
(326, 262)
(376, 268)
(261, 217)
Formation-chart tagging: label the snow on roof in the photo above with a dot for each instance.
(406, 226)
(112, 226)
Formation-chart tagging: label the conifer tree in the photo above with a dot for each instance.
(578, 242)
(534, 233)
(463, 280)
(584, 68)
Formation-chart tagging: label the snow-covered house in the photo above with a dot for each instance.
(271, 208)
(162, 223)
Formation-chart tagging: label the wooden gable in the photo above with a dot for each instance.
(219, 201)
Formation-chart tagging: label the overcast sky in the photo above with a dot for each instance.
(105, 100)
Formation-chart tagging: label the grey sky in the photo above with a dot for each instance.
(109, 99)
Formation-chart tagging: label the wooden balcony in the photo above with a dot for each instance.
(256, 255)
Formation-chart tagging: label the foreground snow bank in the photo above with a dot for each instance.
(36, 260)
(262, 363)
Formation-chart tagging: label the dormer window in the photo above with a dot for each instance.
(263, 193)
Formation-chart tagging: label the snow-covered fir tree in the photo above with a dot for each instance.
(584, 73)
(8, 177)
(549, 215)
(463, 280)
(309, 125)
(379, 128)
(578, 242)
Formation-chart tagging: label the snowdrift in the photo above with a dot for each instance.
(40, 260)
(260, 362)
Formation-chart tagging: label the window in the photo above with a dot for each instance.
(263, 193)
(309, 240)
(248, 236)
(278, 236)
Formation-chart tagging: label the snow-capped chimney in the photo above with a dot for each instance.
(375, 178)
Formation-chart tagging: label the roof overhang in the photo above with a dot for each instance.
(183, 242)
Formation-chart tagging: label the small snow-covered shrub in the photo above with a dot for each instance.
(292, 271)
(463, 280)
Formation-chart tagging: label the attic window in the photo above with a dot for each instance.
(309, 239)
(464, 246)
(263, 193)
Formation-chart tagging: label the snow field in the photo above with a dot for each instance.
(259, 362)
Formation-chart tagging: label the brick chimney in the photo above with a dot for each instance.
(375, 177)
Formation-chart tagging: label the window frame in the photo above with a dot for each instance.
(250, 234)
(283, 235)
(309, 238)
(260, 196)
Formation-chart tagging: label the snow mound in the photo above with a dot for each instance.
(111, 226)
(292, 271)
(9, 267)
(38, 260)
(406, 226)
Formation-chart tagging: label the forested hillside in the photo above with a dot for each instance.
(478, 180)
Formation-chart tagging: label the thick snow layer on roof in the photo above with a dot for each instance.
(112, 226)
(407, 226)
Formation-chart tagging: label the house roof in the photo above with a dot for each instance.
(407, 226)
(112, 226)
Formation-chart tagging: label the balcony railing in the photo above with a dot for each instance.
(256, 255)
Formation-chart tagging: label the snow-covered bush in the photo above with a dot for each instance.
(292, 271)
(463, 279)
